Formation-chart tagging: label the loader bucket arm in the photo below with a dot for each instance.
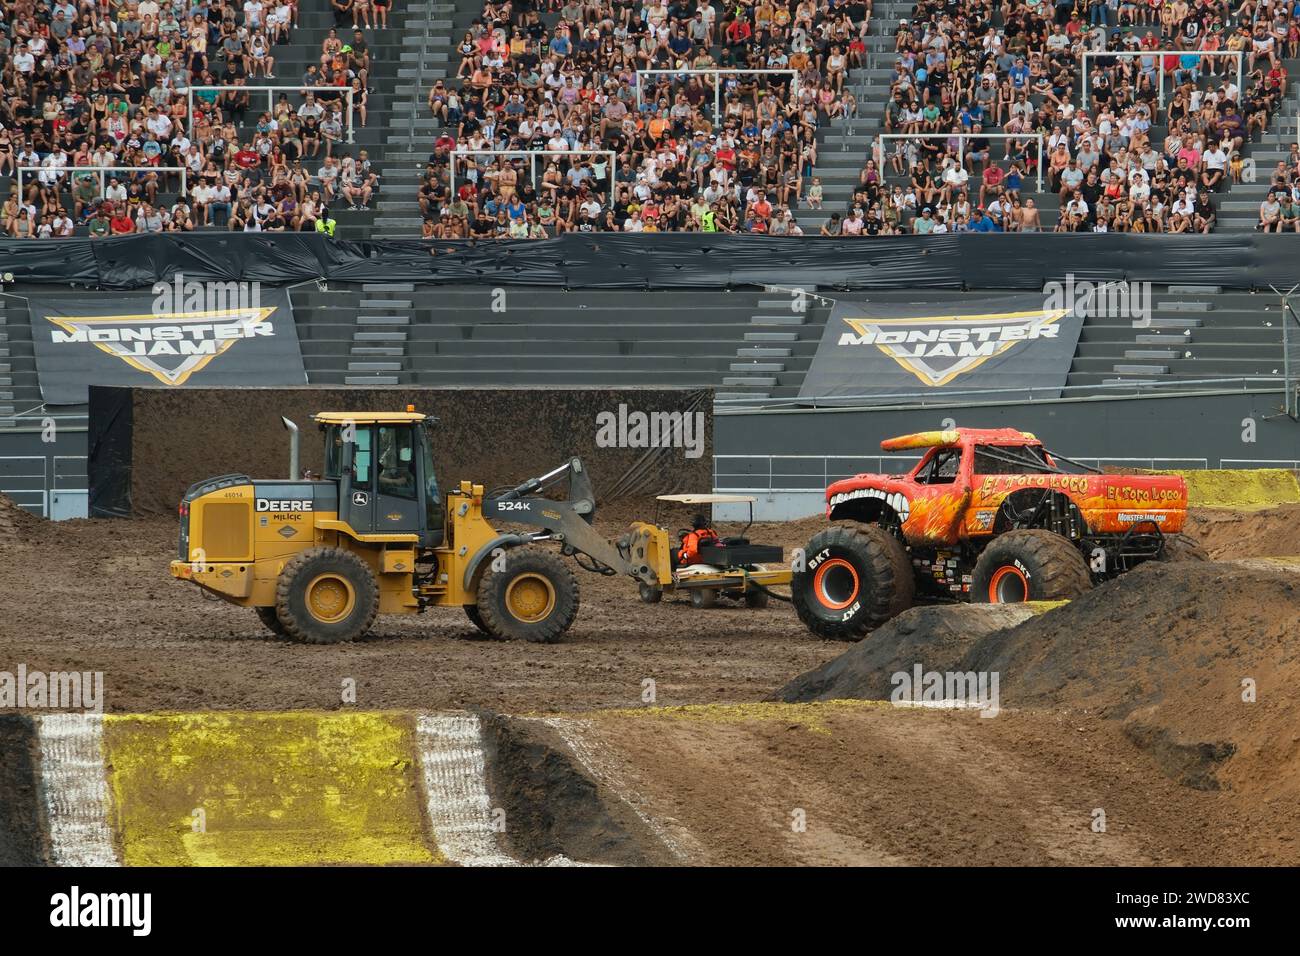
(568, 521)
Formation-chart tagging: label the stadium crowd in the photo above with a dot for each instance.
(999, 91)
(683, 155)
(996, 85)
(106, 83)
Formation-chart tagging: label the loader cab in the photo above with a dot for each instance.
(383, 463)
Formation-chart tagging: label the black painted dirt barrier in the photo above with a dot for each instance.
(665, 260)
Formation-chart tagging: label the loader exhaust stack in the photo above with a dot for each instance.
(295, 471)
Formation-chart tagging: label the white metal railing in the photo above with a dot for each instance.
(791, 474)
(37, 480)
(270, 92)
(532, 154)
(1160, 70)
(717, 87)
(71, 173)
(879, 147)
(798, 474)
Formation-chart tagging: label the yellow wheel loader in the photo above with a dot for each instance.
(318, 559)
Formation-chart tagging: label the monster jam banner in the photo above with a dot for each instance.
(1005, 342)
(178, 334)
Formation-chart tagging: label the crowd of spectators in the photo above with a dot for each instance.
(561, 77)
(998, 88)
(105, 83)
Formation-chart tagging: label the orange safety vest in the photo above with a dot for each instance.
(690, 552)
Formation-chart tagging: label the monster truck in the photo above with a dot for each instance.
(987, 515)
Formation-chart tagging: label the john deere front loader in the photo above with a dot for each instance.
(318, 559)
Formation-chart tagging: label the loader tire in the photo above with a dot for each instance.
(1029, 565)
(905, 578)
(326, 596)
(1179, 548)
(268, 617)
(854, 581)
(475, 618)
(533, 598)
(756, 598)
(650, 593)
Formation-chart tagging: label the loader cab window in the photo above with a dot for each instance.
(397, 461)
(941, 469)
(362, 458)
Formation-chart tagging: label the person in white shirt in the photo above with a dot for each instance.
(634, 223)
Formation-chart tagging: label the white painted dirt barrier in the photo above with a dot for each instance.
(76, 796)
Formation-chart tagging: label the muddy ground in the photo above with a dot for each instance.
(1127, 701)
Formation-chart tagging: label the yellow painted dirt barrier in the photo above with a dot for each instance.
(253, 789)
(1242, 489)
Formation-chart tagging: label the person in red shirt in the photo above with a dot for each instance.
(247, 158)
(121, 224)
(739, 32)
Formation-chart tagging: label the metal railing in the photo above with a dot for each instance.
(800, 474)
(72, 173)
(34, 482)
(270, 99)
(1160, 67)
(533, 154)
(1022, 393)
(717, 87)
(879, 146)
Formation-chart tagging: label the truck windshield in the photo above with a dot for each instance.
(942, 468)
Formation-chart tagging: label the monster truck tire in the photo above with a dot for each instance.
(533, 598)
(853, 581)
(1180, 548)
(1029, 565)
(326, 596)
(904, 577)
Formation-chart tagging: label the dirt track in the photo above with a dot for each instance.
(879, 785)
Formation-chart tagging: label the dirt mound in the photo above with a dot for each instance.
(935, 637)
(18, 528)
(1274, 532)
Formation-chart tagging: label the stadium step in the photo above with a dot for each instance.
(1160, 339)
(757, 367)
(731, 396)
(388, 287)
(1176, 306)
(386, 303)
(1169, 322)
(385, 350)
(771, 336)
(790, 318)
(1129, 369)
(379, 336)
(383, 319)
(1150, 354)
(759, 352)
(763, 381)
(370, 380)
(374, 366)
(1194, 290)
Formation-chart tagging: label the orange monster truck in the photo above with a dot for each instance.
(988, 515)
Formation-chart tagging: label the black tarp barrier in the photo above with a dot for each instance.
(666, 260)
(109, 436)
(147, 445)
(181, 334)
(982, 342)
